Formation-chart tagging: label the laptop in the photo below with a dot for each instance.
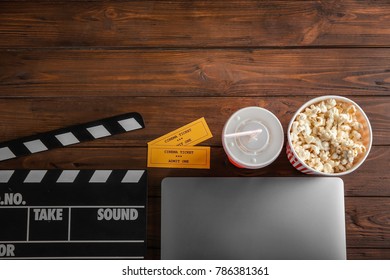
(253, 218)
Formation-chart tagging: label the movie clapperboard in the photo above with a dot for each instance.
(60, 214)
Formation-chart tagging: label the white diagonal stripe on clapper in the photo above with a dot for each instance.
(132, 176)
(5, 175)
(67, 138)
(100, 176)
(6, 153)
(35, 146)
(35, 176)
(68, 176)
(98, 131)
(129, 124)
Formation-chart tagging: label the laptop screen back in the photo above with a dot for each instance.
(253, 218)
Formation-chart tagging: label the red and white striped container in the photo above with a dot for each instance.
(297, 163)
(366, 137)
(252, 138)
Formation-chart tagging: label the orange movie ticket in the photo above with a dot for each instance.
(179, 157)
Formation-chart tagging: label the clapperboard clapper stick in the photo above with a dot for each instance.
(73, 214)
(70, 135)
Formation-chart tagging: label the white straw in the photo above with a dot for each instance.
(244, 133)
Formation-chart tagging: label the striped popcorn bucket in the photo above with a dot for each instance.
(297, 163)
(366, 138)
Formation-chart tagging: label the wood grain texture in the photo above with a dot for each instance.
(362, 254)
(243, 23)
(226, 72)
(28, 116)
(368, 222)
(371, 179)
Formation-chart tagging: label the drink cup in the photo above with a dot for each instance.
(252, 138)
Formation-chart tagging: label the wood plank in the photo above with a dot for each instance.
(216, 72)
(368, 222)
(154, 228)
(371, 179)
(353, 254)
(367, 226)
(27, 116)
(196, 24)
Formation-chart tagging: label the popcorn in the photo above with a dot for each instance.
(327, 136)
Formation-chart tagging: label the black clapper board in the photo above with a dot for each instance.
(78, 214)
(70, 135)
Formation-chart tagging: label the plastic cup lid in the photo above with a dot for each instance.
(253, 137)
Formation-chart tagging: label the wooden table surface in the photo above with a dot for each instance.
(69, 62)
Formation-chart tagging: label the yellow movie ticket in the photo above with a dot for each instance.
(179, 157)
(188, 135)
